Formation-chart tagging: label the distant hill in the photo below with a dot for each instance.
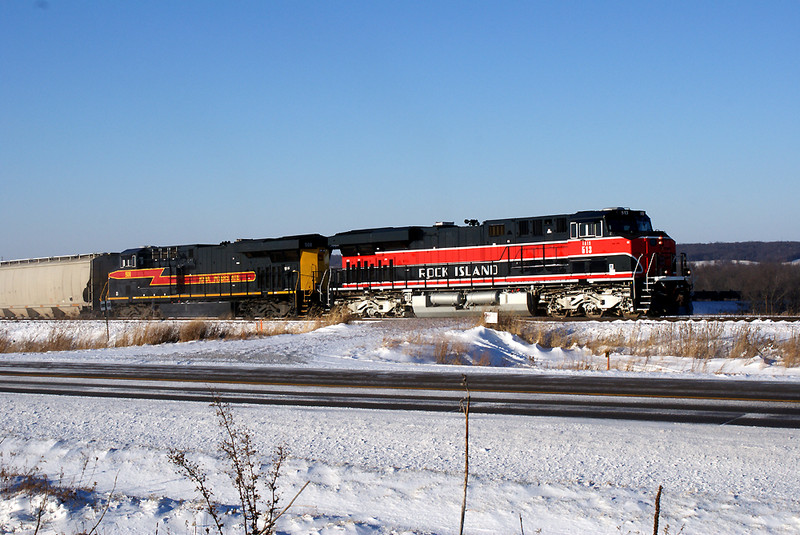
(752, 251)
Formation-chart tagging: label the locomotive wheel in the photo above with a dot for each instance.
(315, 311)
(265, 309)
(592, 311)
(136, 312)
(554, 311)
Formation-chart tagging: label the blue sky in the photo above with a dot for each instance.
(166, 122)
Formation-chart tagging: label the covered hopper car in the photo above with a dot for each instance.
(55, 287)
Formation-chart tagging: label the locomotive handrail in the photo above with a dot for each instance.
(638, 263)
(326, 277)
(633, 278)
(647, 274)
(650, 264)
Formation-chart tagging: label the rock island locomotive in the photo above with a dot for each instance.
(587, 263)
(591, 263)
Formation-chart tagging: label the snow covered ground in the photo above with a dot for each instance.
(380, 472)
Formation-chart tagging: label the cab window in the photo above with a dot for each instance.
(591, 229)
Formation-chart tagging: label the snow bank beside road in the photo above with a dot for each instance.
(413, 342)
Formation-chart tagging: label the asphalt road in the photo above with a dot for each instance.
(722, 401)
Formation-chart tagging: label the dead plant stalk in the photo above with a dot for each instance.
(465, 409)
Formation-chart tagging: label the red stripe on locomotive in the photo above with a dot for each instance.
(159, 279)
(500, 253)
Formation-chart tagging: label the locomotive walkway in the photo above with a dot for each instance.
(710, 401)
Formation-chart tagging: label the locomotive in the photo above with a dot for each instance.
(247, 278)
(587, 263)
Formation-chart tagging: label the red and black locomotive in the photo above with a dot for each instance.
(587, 263)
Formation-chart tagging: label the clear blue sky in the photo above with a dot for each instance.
(168, 122)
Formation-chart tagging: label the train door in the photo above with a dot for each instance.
(180, 280)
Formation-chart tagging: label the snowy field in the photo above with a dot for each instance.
(381, 472)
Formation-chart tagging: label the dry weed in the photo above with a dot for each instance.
(750, 342)
(414, 339)
(560, 338)
(412, 344)
(547, 335)
(790, 351)
(484, 359)
(453, 353)
(6, 344)
(45, 494)
(391, 342)
(273, 328)
(265, 328)
(61, 338)
(698, 341)
(150, 334)
(583, 365)
(195, 330)
(337, 316)
(706, 342)
(56, 339)
(255, 484)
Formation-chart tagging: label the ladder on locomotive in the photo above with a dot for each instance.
(305, 302)
(304, 296)
(646, 297)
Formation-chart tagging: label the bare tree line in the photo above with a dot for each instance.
(769, 288)
(749, 251)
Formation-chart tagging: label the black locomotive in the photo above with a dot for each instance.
(250, 278)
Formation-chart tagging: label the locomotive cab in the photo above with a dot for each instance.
(628, 223)
(661, 278)
(620, 222)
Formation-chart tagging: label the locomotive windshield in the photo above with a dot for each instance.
(633, 224)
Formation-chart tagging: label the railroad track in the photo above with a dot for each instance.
(710, 401)
(670, 319)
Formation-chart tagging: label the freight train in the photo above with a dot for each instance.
(590, 263)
